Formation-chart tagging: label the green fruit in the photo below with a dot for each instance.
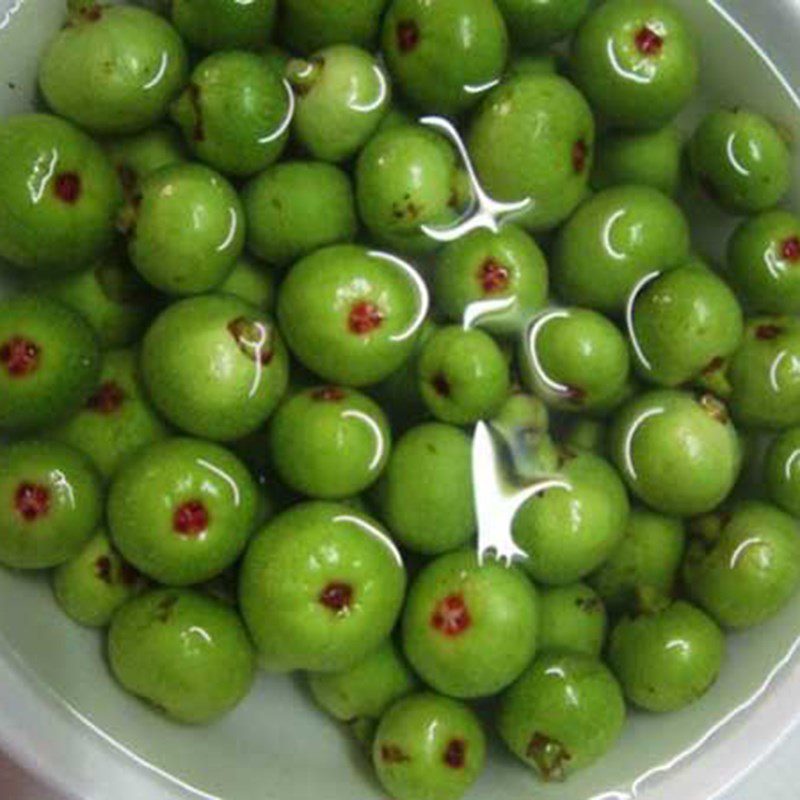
(297, 207)
(252, 282)
(116, 420)
(225, 24)
(533, 139)
(342, 94)
(538, 23)
(214, 366)
(113, 69)
(184, 654)
(572, 619)
(49, 361)
(425, 495)
(743, 567)
(678, 453)
(586, 434)
(636, 61)
(321, 588)
(782, 471)
(668, 657)
(235, 113)
(562, 715)
(614, 240)
(93, 584)
(470, 628)
(428, 746)
(329, 442)
(351, 315)
(59, 196)
(444, 55)
(51, 504)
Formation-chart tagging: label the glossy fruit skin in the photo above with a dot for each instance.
(469, 630)
(463, 375)
(443, 55)
(351, 315)
(564, 713)
(65, 481)
(364, 692)
(188, 230)
(678, 453)
(117, 419)
(741, 161)
(744, 567)
(496, 279)
(764, 374)
(289, 567)
(429, 746)
(613, 241)
(686, 323)
(543, 63)
(633, 78)
(110, 296)
(587, 434)
(646, 159)
(224, 24)
(425, 496)
(572, 619)
(342, 95)
(183, 653)
(782, 471)
(40, 231)
(574, 359)
(309, 26)
(235, 113)
(648, 558)
(329, 442)
(214, 366)
(114, 71)
(656, 674)
(93, 584)
(61, 361)
(253, 282)
(182, 472)
(533, 138)
(764, 262)
(534, 24)
(297, 207)
(569, 531)
(407, 177)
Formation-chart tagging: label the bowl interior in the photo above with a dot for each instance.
(276, 746)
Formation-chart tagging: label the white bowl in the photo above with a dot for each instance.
(62, 716)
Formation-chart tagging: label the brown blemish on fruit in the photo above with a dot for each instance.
(198, 130)
(128, 574)
(455, 756)
(768, 332)
(790, 249)
(493, 276)
(253, 338)
(441, 385)
(102, 569)
(31, 501)
(364, 318)
(714, 407)
(337, 596)
(407, 35)
(165, 607)
(648, 42)
(549, 756)
(451, 616)
(67, 187)
(580, 155)
(190, 518)
(19, 356)
(107, 399)
(714, 365)
(394, 754)
(329, 394)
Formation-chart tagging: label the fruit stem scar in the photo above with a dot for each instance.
(190, 518)
(328, 394)
(441, 385)
(407, 35)
(455, 755)
(19, 356)
(31, 501)
(67, 187)
(364, 317)
(648, 42)
(107, 399)
(494, 277)
(549, 755)
(580, 154)
(790, 249)
(451, 616)
(768, 332)
(253, 338)
(393, 754)
(337, 596)
(102, 569)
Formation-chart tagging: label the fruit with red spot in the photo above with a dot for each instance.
(95, 582)
(50, 502)
(321, 588)
(429, 746)
(470, 629)
(181, 510)
(49, 361)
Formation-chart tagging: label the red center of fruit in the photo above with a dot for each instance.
(102, 569)
(451, 616)
(68, 187)
(328, 394)
(768, 332)
(190, 518)
(441, 385)
(253, 338)
(455, 755)
(494, 276)
(580, 154)
(107, 399)
(19, 356)
(337, 596)
(31, 501)
(364, 317)
(393, 754)
(790, 249)
(649, 42)
(407, 35)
